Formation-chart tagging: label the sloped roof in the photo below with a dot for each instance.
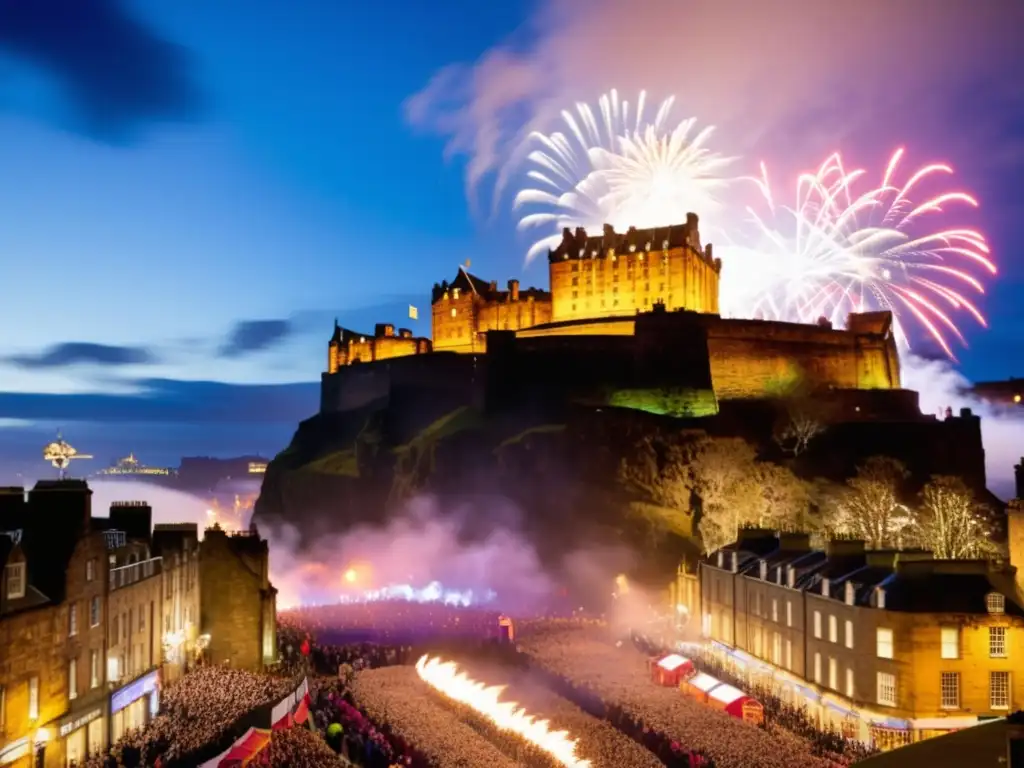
(581, 244)
(980, 745)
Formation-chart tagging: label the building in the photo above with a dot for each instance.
(618, 302)
(52, 609)
(238, 603)
(178, 547)
(890, 647)
(1009, 392)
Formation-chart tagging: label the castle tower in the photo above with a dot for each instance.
(1015, 528)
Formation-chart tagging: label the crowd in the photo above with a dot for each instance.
(415, 716)
(198, 715)
(616, 681)
(298, 747)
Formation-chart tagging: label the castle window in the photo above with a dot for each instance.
(15, 581)
(661, 287)
(575, 281)
(615, 303)
(647, 286)
(573, 307)
(454, 311)
(615, 289)
(455, 293)
(641, 257)
(615, 277)
(575, 294)
(664, 245)
(995, 603)
(575, 268)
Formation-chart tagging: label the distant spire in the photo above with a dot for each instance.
(335, 323)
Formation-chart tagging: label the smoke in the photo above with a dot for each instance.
(420, 547)
(941, 387)
(169, 505)
(772, 75)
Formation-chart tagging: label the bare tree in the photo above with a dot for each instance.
(951, 522)
(785, 498)
(802, 419)
(725, 478)
(869, 507)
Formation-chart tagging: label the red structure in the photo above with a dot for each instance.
(727, 698)
(671, 670)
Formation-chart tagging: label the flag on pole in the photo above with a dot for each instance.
(414, 313)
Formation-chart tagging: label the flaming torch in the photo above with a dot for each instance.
(445, 677)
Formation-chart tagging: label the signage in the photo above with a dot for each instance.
(69, 725)
(133, 691)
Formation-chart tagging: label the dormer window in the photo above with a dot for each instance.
(995, 603)
(15, 573)
(879, 598)
(849, 593)
(825, 587)
(455, 293)
(764, 570)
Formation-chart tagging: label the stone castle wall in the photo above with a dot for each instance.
(460, 319)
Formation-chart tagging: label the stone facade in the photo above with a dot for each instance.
(350, 347)
(238, 602)
(178, 547)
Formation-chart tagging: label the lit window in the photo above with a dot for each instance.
(950, 690)
(454, 312)
(775, 609)
(849, 633)
(886, 692)
(849, 682)
(995, 602)
(33, 698)
(999, 690)
(73, 620)
(15, 581)
(833, 674)
(884, 643)
(951, 642)
(94, 669)
(817, 624)
(94, 612)
(789, 613)
(73, 679)
(817, 668)
(997, 642)
(112, 669)
(833, 629)
(90, 570)
(789, 654)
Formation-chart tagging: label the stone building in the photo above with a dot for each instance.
(890, 647)
(238, 603)
(350, 347)
(52, 610)
(178, 547)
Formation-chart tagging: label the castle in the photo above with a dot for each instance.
(628, 315)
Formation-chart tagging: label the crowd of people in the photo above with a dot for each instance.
(616, 680)
(198, 715)
(298, 747)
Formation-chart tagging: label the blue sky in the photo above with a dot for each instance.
(187, 173)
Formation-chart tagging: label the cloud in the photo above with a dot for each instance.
(171, 401)
(775, 74)
(116, 72)
(251, 336)
(84, 353)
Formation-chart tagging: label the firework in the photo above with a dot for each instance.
(618, 166)
(839, 250)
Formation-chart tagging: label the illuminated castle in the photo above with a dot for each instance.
(615, 299)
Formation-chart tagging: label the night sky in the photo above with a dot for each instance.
(190, 192)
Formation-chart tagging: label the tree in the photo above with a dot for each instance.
(869, 507)
(801, 420)
(658, 475)
(952, 525)
(785, 498)
(725, 478)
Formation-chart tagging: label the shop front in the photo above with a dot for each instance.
(83, 733)
(134, 705)
(29, 751)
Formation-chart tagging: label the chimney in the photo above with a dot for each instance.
(844, 548)
(383, 330)
(825, 587)
(13, 509)
(794, 542)
(494, 286)
(735, 562)
(135, 518)
(513, 290)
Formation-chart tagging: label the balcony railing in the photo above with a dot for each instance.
(132, 573)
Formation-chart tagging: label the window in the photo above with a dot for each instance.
(951, 642)
(15, 581)
(142, 620)
(113, 669)
(833, 673)
(817, 667)
(94, 669)
(995, 603)
(833, 629)
(817, 624)
(849, 633)
(949, 689)
(454, 312)
(999, 690)
(886, 689)
(849, 682)
(94, 612)
(789, 654)
(90, 569)
(997, 642)
(116, 634)
(883, 641)
(775, 609)
(73, 679)
(789, 613)
(33, 698)
(73, 620)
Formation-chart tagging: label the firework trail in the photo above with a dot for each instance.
(615, 165)
(839, 250)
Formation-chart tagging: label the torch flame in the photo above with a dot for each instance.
(445, 677)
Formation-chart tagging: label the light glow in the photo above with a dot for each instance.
(446, 678)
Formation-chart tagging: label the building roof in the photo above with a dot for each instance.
(979, 745)
(488, 291)
(581, 244)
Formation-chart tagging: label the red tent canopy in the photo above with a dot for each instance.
(246, 749)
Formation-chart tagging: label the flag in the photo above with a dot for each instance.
(414, 313)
